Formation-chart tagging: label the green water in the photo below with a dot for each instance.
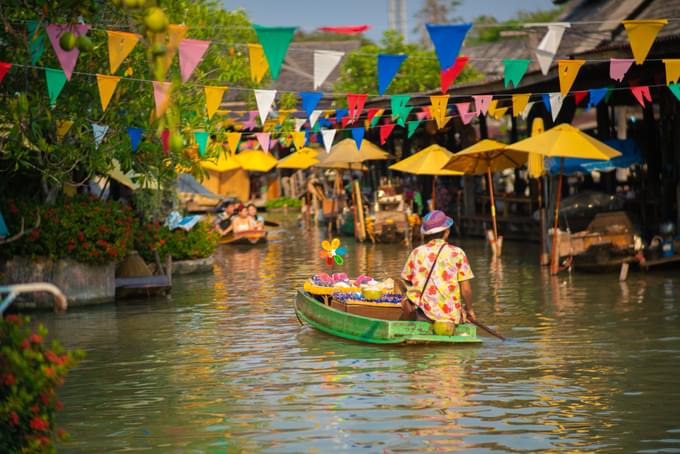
(223, 365)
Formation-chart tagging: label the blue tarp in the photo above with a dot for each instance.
(630, 155)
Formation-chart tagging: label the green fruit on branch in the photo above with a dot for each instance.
(176, 143)
(158, 49)
(155, 20)
(67, 41)
(84, 44)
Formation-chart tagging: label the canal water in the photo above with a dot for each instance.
(222, 366)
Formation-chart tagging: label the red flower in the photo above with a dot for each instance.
(59, 405)
(43, 439)
(14, 418)
(34, 235)
(86, 245)
(37, 423)
(10, 379)
(35, 409)
(81, 236)
(25, 344)
(35, 338)
(70, 246)
(45, 399)
(52, 357)
(50, 372)
(12, 319)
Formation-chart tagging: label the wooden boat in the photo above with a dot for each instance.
(247, 238)
(347, 325)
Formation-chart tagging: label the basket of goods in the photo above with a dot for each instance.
(324, 284)
(373, 299)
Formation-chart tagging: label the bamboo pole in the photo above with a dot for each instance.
(493, 213)
(554, 265)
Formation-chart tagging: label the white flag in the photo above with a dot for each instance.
(547, 48)
(298, 123)
(556, 100)
(264, 99)
(325, 62)
(328, 135)
(314, 117)
(527, 109)
(99, 132)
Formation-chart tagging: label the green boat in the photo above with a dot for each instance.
(375, 331)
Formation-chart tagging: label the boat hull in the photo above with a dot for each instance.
(363, 329)
(248, 238)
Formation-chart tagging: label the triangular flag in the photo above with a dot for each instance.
(135, 137)
(165, 141)
(176, 33)
(519, 103)
(36, 40)
(398, 105)
(107, 85)
(299, 122)
(264, 99)
(327, 135)
(275, 42)
(370, 113)
(213, 99)
(325, 62)
(514, 71)
(201, 138)
(358, 136)
(556, 100)
(251, 122)
(438, 109)
(482, 103)
(310, 99)
(120, 46)
(675, 89)
(376, 116)
(161, 94)
(258, 62)
(4, 231)
(4, 67)
(388, 67)
(191, 52)
(355, 103)
(63, 127)
(618, 67)
(447, 40)
(495, 111)
(264, 139)
(641, 94)
(595, 96)
(55, 83)
(672, 70)
(299, 139)
(547, 48)
(67, 59)
(385, 131)
(464, 111)
(527, 110)
(283, 114)
(580, 96)
(568, 70)
(99, 132)
(641, 35)
(412, 126)
(426, 111)
(403, 115)
(448, 76)
(314, 117)
(233, 138)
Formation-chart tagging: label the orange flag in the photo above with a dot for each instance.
(176, 33)
(299, 138)
(672, 70)
(438, 109)
(161, 94)
(107, 85)
(568, 70)
(258, 62)
(641, 35)
(213, 99)
(233, 138)
(519, 103)
(120, 46)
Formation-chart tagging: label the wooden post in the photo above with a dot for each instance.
(554, 266)
(494, 245)
(544, 258)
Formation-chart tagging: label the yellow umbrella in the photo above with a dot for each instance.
(256, 161)
(342, 166)
(223, 163)
(302, 159)
(346, 151)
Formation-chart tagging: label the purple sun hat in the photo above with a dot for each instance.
(435, 221)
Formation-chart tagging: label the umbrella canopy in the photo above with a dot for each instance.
(630, 156)
(225, 162)
(342, 166)
(302, 159)
(483, 156)
(565, 141)
(256, 161)
(428, 161)
(345, 151)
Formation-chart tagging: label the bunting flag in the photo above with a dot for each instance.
(438, 109)
(264, 139)
(514, 71)
(36, 40)
(165, 141)
(527, 110)
(618, 67)
(176, 33)
(63, 127)
(275, 42)
(423, 114)
(314, 117)
(641, 94)
(310, 99)
(233, 139)
(519, 103)
(340, 114)
(251, 122)
(641, 35)
(135, 135)
(327, 135)
(447, 40)
(464, 111)
(213, 99)
(398, 105)
(547, 48)
(672, 70)
(191, 52)
(4, 67)
(675, 89)
(385, 131)
(120, 46)
(201, 138)
(258, 62)
(299, 122)
(412, 126)
(371, 113)
(346, 30)
(556, 100)
(67, 59)
(107, 85)
(325, 62)
(495, 111)
(264, 99)
(568, 70)
(299, 139)
(596, 95)
(99, 132)
(376, 117)
(358, 136)
(56, 79)
(388, 67)
(283, 114)
(580, 96)
(448, 76)
(161, 95)
(355, 103)
(482, 103)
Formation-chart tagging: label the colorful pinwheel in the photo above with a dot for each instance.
(333, 252)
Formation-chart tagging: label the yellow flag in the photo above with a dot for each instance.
(120, 46)
(641, 35)
(672, 70)
(258, 62)
(495, 111)
(283, 114)
(519, 103)
(213, 99)
(62, 128)
(176, 33)
(233, 138)
(107, 85)
(535, 163)
(438, 109)
(299, 139)
(568, 70)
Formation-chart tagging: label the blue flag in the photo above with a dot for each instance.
(310, 99)
(135, 137)
(4, 232)
(358, 136)
(202, 141)
(340, 114)
(388, 67)
(596, 95)
(546, 101)
(447, 40)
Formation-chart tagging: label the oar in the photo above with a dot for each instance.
(487, 329)
(272, 224)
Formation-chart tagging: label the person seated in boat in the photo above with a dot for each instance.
(252, 213)
(438, 275)
(224, 219)
(243, 222)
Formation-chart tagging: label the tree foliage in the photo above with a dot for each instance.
(489, 29)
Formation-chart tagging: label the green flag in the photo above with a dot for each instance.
(56, 78)
(514, 71)
(675, 89)
(36, 40)
(275, 42)
(412, 126)
(202, 140)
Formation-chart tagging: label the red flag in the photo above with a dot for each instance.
(449, 75)
(355, 104)
(371, 113)
(385, 131)
(346, 30)
(4, 67)
(579, 95)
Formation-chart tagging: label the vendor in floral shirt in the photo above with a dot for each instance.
(450, 278)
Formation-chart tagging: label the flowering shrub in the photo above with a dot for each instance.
(82, 228)
(30, 373)
(199, 242)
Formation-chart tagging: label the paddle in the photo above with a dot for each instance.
(487, 329)
(272, 224)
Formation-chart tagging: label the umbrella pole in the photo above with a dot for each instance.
(494, 243)
(554, 265)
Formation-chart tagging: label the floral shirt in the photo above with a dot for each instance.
(441, 299)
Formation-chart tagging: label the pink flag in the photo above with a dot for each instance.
(421, 115)
(165, 140)
(618, 67)
(426, 111)
(464, 110)
(191, 52)
(251, 122)
(385, 131)
(482, 103)
(264, 138)
(161, 94)
(641, 94)
(67, 59)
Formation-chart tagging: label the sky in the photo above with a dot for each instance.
(311, 14)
